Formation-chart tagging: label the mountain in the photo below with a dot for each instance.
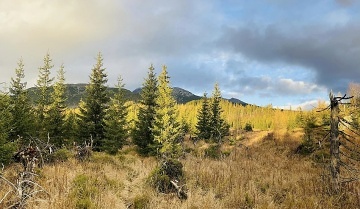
(237, 101)
(181, 96)
(75, 92)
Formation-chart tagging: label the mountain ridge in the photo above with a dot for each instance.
(75, 92)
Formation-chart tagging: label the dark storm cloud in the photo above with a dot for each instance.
(333, 54)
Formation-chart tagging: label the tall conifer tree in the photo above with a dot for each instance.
(21, 110)
(167, 129)
(44, 99)
(94, 106)
(203, 124)
(56, 114)
(115, 119)
(142, 134)
(219, 128)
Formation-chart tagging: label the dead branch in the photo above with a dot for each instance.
(343, 97)
(180, 191)
(351, 142)
(325, 137)
(350, 149)
(348, 180)
(350, 169)
(5, 196)
(326, 108)
(351, 130)
(349, 157)
(8, 182)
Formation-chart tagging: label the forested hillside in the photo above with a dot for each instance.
(74, 93)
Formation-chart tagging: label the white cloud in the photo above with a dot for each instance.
(289, 86)
(308, 105)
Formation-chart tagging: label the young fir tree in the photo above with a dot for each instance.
(142, 134)
(21, 110)
(167, 129)
(44, 99)
(6, 147)
(115, 119)
(70, 126)
(219, 128)
(94, 106)
(56, 114)
(203, 125)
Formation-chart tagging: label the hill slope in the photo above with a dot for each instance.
(75, 92)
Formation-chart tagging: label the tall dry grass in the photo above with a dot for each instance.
(264, 174)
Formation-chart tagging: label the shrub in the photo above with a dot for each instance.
(307, 147)
(213, 152)
(6, 153)
(248, 127)
(321, 156)
(60, 155)
(169, 170)
(141, 202)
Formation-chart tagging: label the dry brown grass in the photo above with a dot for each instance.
(263, 174)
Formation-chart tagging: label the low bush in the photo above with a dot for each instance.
(61, 155)
(6, 153)
(307, 147)
(213, 152)
(168, 171)
(248, 127)
(141, 202)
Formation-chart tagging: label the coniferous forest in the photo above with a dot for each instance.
(112, 150)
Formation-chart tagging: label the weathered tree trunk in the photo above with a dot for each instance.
(334, 142)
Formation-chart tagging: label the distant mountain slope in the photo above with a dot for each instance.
(181, 95)
(75, 92)
(237, 101)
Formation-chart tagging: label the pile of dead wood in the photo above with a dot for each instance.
(25, 185)
(83, 152)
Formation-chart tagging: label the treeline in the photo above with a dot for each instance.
(107, 122)
(156, 124)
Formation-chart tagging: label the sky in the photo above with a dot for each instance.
(279, 52)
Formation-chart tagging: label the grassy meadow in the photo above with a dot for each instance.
(259, 170)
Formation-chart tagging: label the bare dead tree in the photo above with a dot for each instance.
(334, 141)
(344, 150)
